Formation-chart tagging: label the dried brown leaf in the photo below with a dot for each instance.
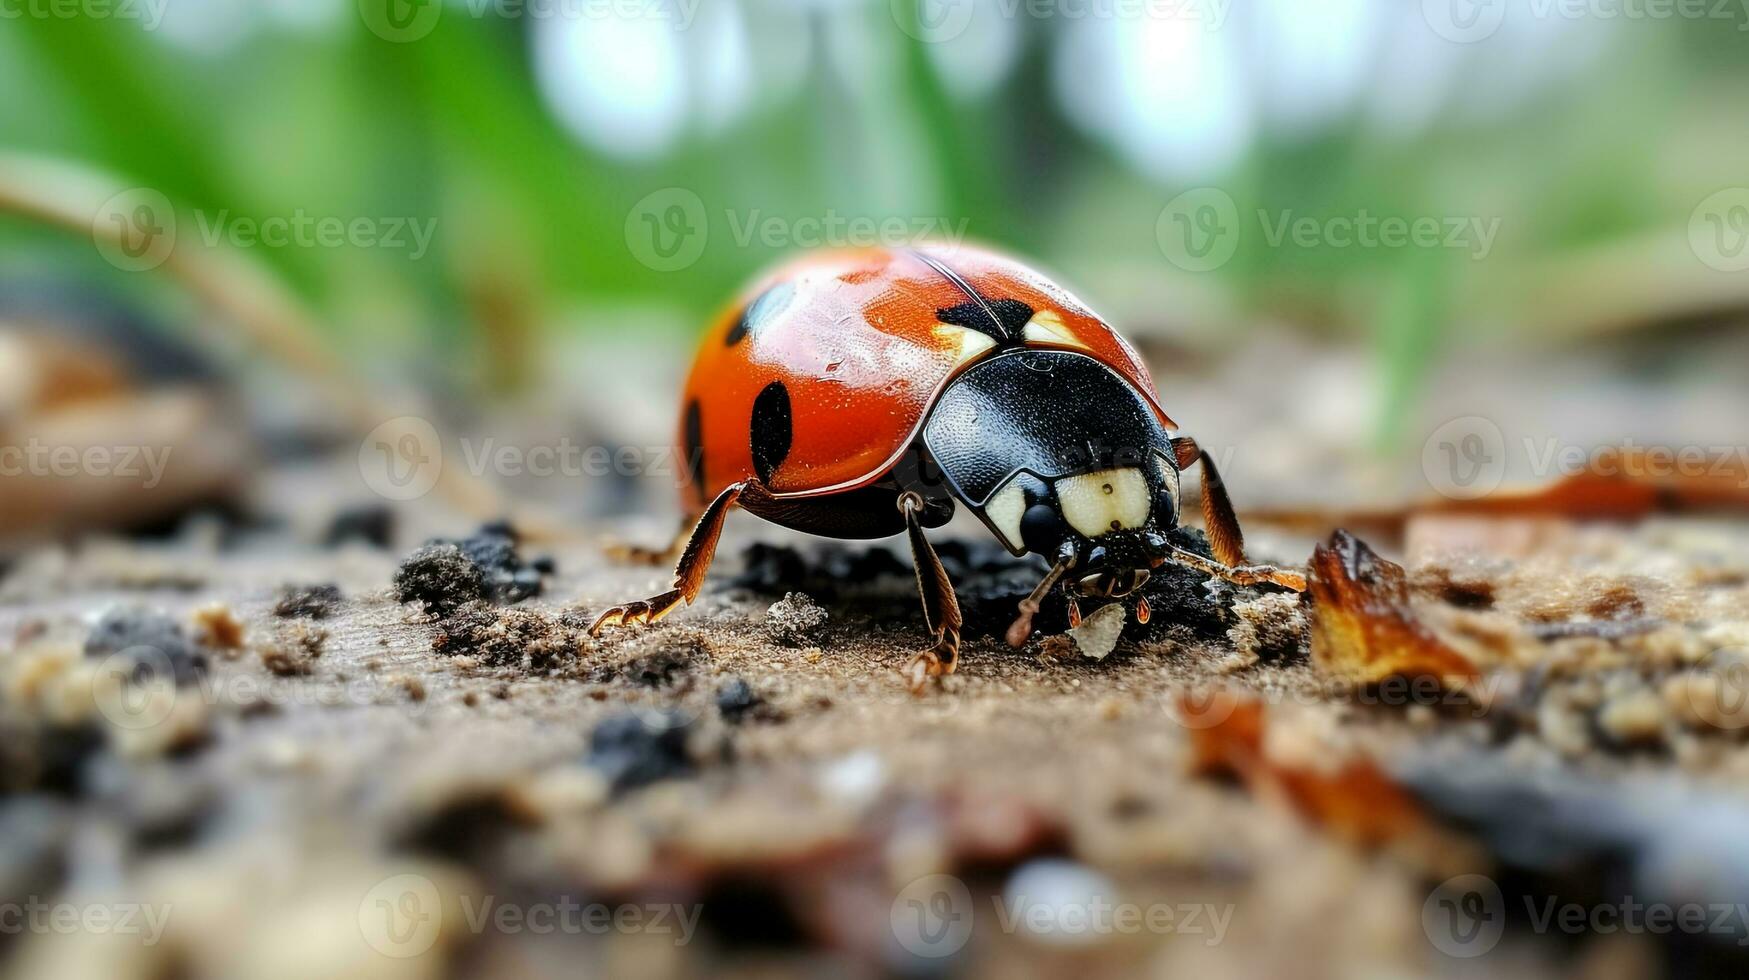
(1356, 800)
(1363, 628)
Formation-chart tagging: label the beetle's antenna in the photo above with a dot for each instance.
(1022, 626)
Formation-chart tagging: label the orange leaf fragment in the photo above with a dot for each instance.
(1356, 801)
(1363, 628)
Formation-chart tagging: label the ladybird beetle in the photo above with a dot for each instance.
(865, 393)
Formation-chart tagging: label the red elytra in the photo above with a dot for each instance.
(856, 339)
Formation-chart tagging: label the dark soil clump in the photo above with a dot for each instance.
(440, 577)
(308, 601)
(447, 575)
(508, 637)
(154, 642)
(661, 668)
(736, 700)
(634, 750)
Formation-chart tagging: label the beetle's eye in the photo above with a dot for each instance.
(1042, 529)
(1168, 485)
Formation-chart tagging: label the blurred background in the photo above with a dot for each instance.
(1332, 228)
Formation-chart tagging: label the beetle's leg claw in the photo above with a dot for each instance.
(937, 661)
(642, 611)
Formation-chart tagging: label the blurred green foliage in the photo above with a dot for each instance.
(455, 126)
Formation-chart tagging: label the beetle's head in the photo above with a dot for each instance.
(1060, 456)
(1109, 523)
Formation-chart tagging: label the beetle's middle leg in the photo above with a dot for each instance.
(941, 607)
(689, 573)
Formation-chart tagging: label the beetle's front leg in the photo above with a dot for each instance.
(1240, 575)
(941, 608)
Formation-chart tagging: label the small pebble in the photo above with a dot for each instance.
(795, 617)
(151, 639)
(308, 601)
(218, 628)
(855, 779)
(440, 577)
(640, 748)
(1054, 902)
(1634, 718)
(1097, 635)
(736, 699)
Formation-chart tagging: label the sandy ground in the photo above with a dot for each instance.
(200, 778)
(337, 797)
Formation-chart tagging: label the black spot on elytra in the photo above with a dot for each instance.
(692, 444)
(771, 431)
(770, 303)
(1011, 317)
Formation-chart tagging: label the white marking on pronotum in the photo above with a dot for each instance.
(1109, 500)
(967, 342)
(1004, 509)
(1046, 327)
